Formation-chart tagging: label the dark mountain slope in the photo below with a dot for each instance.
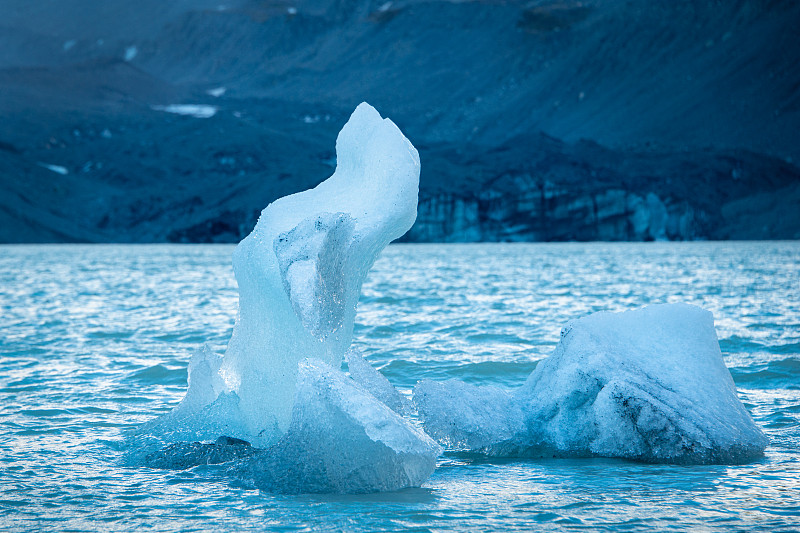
(535, 120)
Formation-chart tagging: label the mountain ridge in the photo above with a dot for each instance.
(598, 120)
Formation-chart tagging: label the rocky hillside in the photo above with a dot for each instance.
(155, 121)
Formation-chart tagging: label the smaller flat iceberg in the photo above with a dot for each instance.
(648, 385)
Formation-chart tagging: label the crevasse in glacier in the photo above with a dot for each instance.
(648, 384)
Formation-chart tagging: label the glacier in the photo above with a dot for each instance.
(277, 398)
(648, 385)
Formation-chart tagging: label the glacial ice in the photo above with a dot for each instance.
(341, 439)
(300, 271)
(375, 383)
(648, 385)
(58, 169)
(307, 427)
(463, 416)
(130, 53)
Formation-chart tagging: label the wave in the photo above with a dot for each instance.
(778, 374)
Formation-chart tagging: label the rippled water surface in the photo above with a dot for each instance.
(95, 340)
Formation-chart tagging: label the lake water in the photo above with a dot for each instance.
(95, 340)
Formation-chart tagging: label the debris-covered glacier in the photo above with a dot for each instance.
(648, 385)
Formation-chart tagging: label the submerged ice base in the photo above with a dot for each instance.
(342, 439)
(649, 385)
(307, 427)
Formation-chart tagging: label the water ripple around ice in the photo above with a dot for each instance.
(95, 340)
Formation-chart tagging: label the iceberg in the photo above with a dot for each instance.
(468, 417)
(648, 385)
(343, 440)
(376, 383)
(301, 269)
(300, 273)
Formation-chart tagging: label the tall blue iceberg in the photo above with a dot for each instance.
(277, 399)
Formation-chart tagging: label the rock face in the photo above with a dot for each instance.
(146, 122)
(587, 192)
(648, 385)
(545, 213)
